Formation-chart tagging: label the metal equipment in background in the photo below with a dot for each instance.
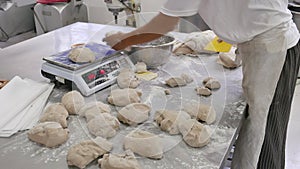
(16, 17)
(87, 77)
(131, 7)
(53, 14)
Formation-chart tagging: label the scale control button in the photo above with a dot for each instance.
(102, 72)
(91, 76)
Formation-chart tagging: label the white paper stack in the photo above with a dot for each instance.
(22, 101)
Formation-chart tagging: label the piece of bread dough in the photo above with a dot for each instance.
(203, 91)
(201, 112)
(93, 109)
(144, 143)
(230, 59)
(119, 161)
(187, 78)
(57, 113)
(175, 82)
(81, 154)
(140, 67)
(50, 134)
(168, 120)
(211, 83)
(81, 55)
(104, 125)
(194, 133)
(123, 97)
(127, 79)
(73, 101)
(134, 113)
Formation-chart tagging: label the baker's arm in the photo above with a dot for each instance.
(155, 28)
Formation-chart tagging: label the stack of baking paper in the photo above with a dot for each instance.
(22, 101)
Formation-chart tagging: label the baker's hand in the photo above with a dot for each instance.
(113, 38)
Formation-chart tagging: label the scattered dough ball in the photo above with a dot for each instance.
(144, 143)
(80, 155)
(187, 78)
(175, 81)
(56, 113)
(123, 97)
(104, 125)
(93, 109)
(140, 67)
(194, 133)
(168, 120)
(119, 161)
(211, 83)
(81, 55)
(200, 112)
(50, 134)
(182, 49)
(167, 91)
(127, 79)
(73, 101)
(203, 91)
(134, 113)
(230, 59)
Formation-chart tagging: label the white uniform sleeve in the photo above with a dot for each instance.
(180, 7)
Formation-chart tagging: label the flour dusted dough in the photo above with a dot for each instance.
(119, 161)
(127, 79)
(134, 113)
(81, 55)
(123, 97)
(50, 134)
(57, 113)
(211, 83)
(140, 67)
(93, 109)
(201, 112)
(104, 125)
(175, 81)
(194, 133)
(168, 120)
(203, 91)
(81, 154)
(73, 101)
(144, 143)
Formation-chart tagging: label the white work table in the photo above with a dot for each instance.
(25, 59)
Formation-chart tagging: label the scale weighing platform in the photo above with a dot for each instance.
(88, 77)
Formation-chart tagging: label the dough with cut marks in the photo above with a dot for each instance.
(93, 109)
(50, 134)
(73, 101)
(144, 143)
(127, 79)
(134, 113)
(200, 111)
(81, 154)
(123, 97)
(81, 55)
(104, 125)
(119, 161)
(194, 133)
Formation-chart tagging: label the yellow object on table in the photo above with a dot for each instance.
(218, 45)
(147, 75)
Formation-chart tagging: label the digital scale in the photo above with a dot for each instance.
(88, 77)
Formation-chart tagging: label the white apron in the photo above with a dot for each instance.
(263, 59)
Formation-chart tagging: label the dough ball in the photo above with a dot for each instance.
(81, 55)
(73, 101)
(119, 161)
(168, 120)
(140, 67)
(134, 113)
(175, 82)
(104, 125)
(201, 112)
(182, 49)
(93, 109)
(127, 79)
(203, 91)
(144, 143)
(123, 97)
(211, 83)
(50, 134)
(187, 78)
(194, 133)
(56, 113)
(81, 154)
(167, 91)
